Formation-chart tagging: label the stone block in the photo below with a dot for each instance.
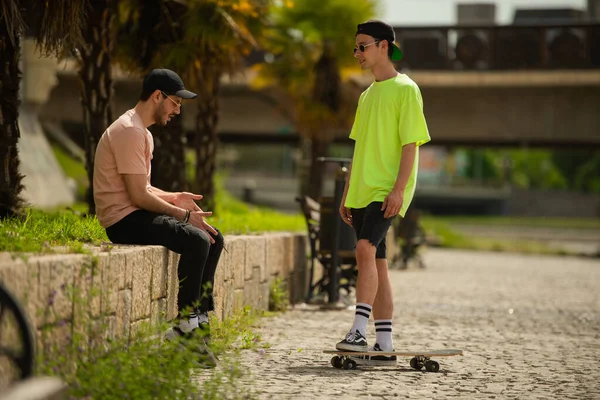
(288, 255)
(275, 254)
(251, 289)
(218, 307)
(224, 270)
(123, 321)
(227, 295)
(57, 279)
(141, 283)
(160, 263)
(172, 286)
(22, 280)
(119, 256)
(255, 256)
(237, 248)
(263, 296)
(138, 328)
(108, 268)
(158, 312)
(238, 300)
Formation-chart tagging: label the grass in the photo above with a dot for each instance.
(39, 231)
(445, 236)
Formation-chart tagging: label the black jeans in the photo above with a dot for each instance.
(369, 223)
(199, 258)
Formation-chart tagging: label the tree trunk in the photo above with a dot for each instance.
(206, 140)
(10, 76)
(326, 91)
(96, 83)
(168, 162)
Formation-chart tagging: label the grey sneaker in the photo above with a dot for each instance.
(354, 341)
(374, 359)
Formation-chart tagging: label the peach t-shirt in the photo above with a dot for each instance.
(125, 148)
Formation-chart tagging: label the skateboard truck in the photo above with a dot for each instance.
(419, 362)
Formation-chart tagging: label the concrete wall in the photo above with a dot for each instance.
(517, 115)
(139, 283)
(552, 203)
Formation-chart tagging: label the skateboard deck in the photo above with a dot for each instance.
(344, 359)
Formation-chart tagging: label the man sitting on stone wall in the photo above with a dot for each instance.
(134, 212)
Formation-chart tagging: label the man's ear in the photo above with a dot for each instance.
(157, 95)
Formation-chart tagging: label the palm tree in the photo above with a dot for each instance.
(217, 35)
(312, 41)
(145, 28)
(53, 23)
(95, 75)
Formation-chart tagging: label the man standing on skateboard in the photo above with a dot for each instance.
(388, 129)
(134, 212)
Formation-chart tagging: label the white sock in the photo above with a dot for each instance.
(383, 332)
(361, 318)
(186, 325)
(202, 317)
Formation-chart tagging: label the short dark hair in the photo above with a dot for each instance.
(145, 95)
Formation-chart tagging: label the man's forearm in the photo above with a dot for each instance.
(407, 163)
(150, 201)
(166, 196)
(347, 185)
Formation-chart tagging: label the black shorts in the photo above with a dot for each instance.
(370, 224)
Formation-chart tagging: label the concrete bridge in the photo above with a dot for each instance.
(488, 85)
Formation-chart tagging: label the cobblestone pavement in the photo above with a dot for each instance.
(529, 327)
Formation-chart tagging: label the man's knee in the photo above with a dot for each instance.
(365, 248)
(219, 240)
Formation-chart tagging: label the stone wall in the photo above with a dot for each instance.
(130, 285)
(135, 284)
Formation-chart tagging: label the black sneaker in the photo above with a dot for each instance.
(375, 360)
(354, 341)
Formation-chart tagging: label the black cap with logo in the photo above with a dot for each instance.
(381, 31)
(166, 81)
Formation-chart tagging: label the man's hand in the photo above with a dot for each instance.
(197, 219)
(345, 214)
(186, 200)
(392, 203)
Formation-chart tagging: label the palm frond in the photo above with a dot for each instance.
(55, 23)
(11, 14)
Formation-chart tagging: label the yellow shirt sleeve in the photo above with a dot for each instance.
(412, 126)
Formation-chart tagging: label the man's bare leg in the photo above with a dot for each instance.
(366, 290)
(383, 307)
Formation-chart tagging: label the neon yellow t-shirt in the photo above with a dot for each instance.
(389, 115)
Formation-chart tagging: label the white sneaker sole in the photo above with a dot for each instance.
(350, 347)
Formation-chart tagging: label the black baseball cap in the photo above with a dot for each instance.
(381, 31)
(166, 81)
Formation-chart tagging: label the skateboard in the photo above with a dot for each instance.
(343, 359)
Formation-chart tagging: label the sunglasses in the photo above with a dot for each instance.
(362, 47)
(178, 104)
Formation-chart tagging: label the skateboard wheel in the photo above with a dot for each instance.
(336, 362)
(432, 366)
(415, 363)
(349, 364)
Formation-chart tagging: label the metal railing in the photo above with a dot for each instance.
(508, 47)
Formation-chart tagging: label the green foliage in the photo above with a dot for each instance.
(314, 22)
(95, 364)
(40, 231)
(440, 231)
(278, 295)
